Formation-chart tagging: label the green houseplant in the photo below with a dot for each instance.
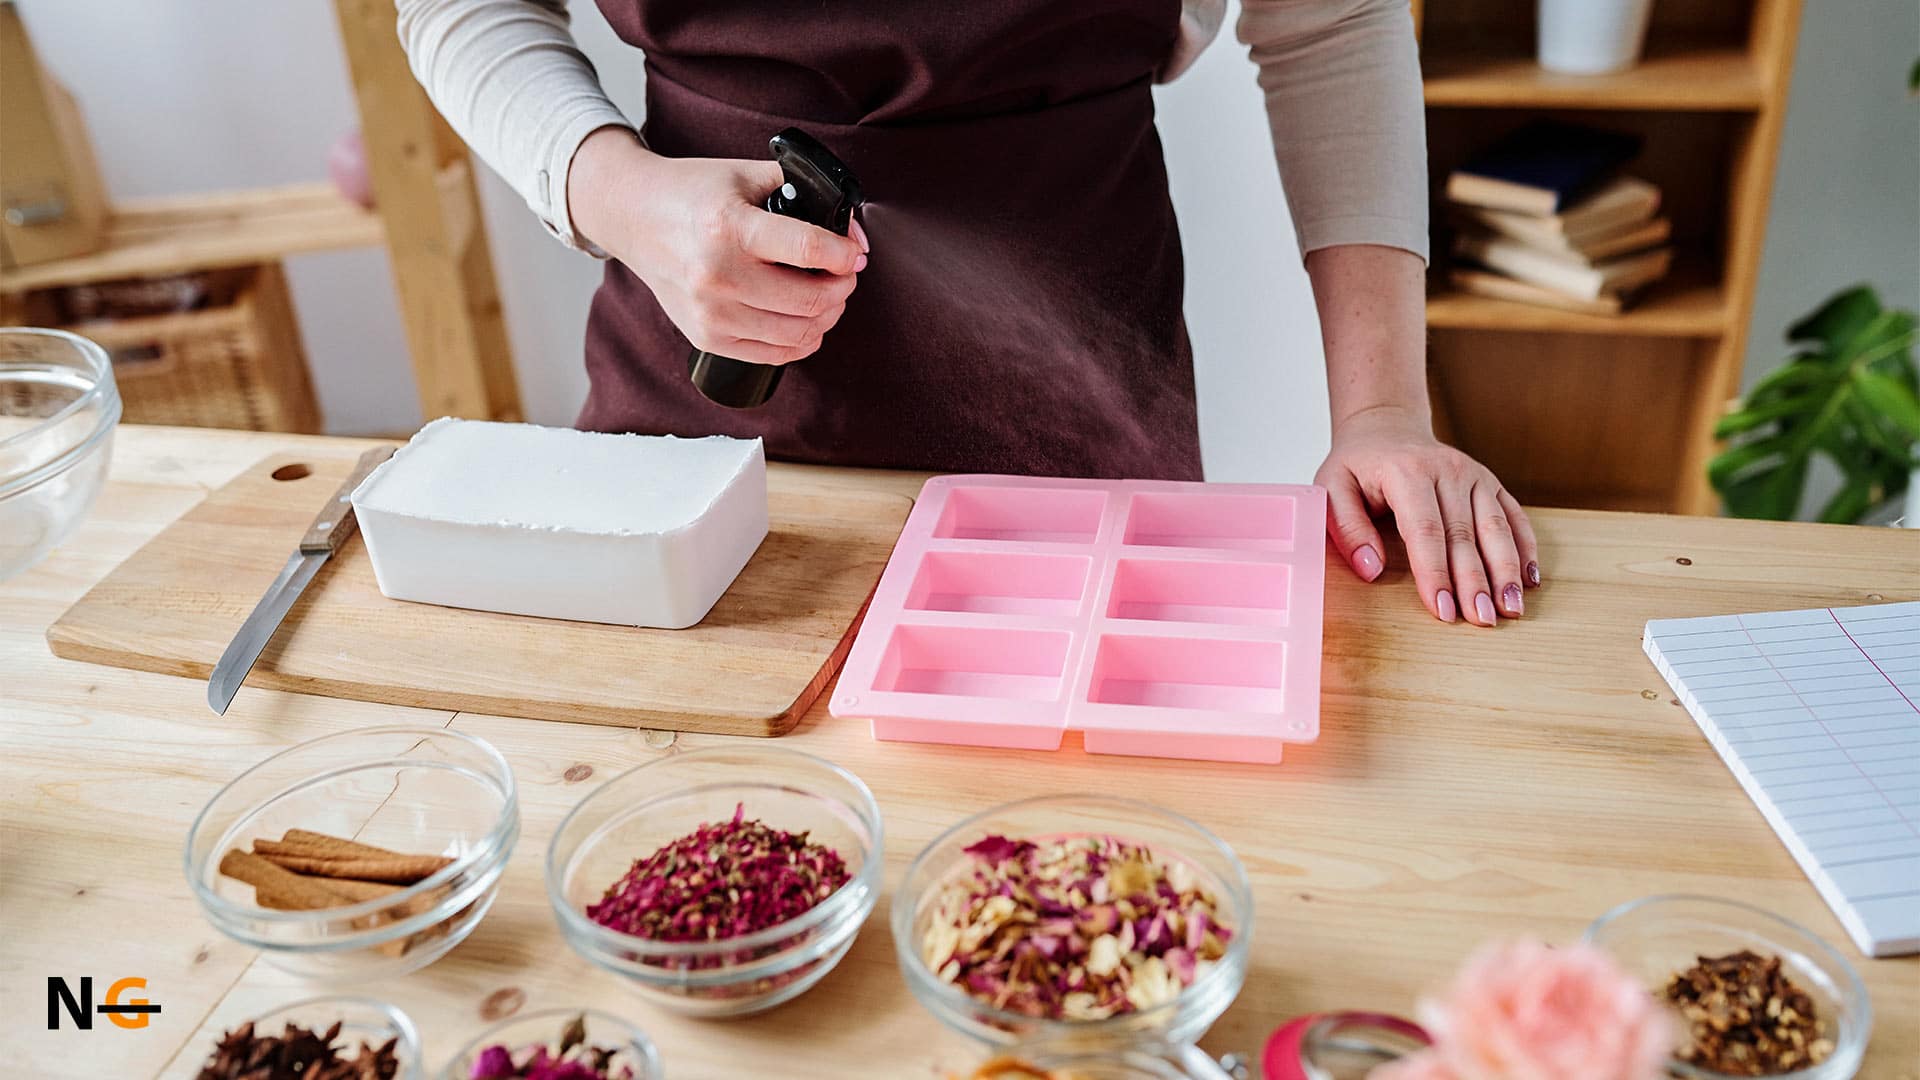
(1850, 392)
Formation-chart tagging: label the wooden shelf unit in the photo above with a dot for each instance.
(427, 214)
(181, 233)
(1711, 77)
(1594, 411)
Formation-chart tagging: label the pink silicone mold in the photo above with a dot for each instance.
(1155, 618)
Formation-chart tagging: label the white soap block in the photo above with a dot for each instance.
(640, 530)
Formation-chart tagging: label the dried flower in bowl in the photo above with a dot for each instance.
(571, 1057)
(721, 881)
(298, 1053)
(1072, 928)
(1745, 1017)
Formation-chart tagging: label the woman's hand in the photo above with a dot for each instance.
(730, 275)
(1470, 544)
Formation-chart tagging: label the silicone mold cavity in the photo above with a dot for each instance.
(1211, 520)
(1157, 618)
(1166, 590)
(1035, 515)
(999, 583)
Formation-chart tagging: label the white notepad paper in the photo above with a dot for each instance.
(1818, 714)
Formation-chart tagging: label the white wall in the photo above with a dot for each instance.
(1846, 198)
(195, 94)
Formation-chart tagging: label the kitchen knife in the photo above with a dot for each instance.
(329, 530)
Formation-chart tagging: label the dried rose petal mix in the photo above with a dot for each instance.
(573, 1058)
(721, 881)
(1072, 928)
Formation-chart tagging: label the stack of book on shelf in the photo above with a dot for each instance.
(1546, 217)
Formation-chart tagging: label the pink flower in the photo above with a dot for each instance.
(1425, 1065)
(1524, 1011)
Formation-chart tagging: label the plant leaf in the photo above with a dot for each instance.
(1799, 372)
(1890, 399)
(1913, 78)
(1738, 459)
(1854, 499)
(1772, 494)
(1875, 437)
(1840, 318)
(1754, 414)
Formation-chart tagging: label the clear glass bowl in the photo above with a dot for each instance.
(520, 1032)
(58, 408)
(1145, 1061)
(417, 790)
(642, 810)
(362, 1020)
(1657, 937)
(1182, 1020)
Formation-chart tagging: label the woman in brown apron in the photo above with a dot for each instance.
(1014, 302)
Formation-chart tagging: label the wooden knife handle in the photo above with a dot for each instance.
(335, 523)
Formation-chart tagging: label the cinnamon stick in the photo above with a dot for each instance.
(329, 856)
(335, 844)
(276, 887)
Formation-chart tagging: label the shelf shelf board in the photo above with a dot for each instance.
(1688, 303)
(1707, 78)
(181, 233)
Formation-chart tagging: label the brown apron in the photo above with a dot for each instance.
(1021, 312)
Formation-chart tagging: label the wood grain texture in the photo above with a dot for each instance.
(1697, 77)
(750, 668)
(173, 234)
(1468, 784)
(442, 269)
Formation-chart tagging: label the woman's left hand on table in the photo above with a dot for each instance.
(1470, 545)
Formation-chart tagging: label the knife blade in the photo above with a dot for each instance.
(330, 528)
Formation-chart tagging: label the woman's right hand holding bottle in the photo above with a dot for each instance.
(733, 277)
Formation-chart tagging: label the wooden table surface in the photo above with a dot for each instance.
(1467, 784)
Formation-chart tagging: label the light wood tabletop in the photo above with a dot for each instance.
(1467, 784)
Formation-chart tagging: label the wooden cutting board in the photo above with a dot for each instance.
(752, 667)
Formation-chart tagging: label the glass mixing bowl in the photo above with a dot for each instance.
(58, 408)
(1175, 838)
(417, 790)
(1655, 937)
(362, 1020)
(643, 809)
(542, 1028)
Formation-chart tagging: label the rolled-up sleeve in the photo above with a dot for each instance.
(1342, 84)
(510, 79)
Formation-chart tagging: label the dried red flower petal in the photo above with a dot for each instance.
(1079, 928)
(721, 881)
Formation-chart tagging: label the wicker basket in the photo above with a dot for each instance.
(235, 363)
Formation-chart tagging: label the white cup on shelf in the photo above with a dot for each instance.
(1592, 37)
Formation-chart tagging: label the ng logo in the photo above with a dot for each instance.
(132, 1013)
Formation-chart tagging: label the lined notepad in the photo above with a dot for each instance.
(1815, 712)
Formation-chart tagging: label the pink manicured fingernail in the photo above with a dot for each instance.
(1533, 574)
(1511, 598)
(860, 235)
(1366, 562)
(859, 264)
(1445, 603)
(1483, 606)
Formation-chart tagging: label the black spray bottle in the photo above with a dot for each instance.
(819, 190)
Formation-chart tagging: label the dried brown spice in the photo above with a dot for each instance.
(1745, 1017)
(297, 1054)
(309, 871)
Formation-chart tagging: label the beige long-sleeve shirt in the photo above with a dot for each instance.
(1341, 79)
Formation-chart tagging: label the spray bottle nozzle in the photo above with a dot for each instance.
(819, 189)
